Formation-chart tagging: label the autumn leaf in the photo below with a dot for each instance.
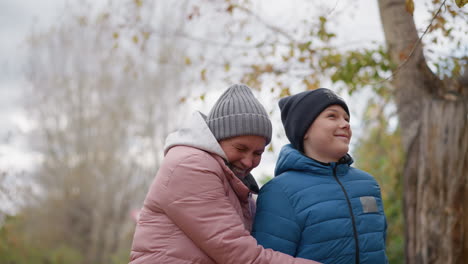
(461, 3)
(187, 61)
(135, 39)
(323, 19)
(410, 6)
(203, 74)
(284, 92)
(270, 148)
(311, 85)
(230, 8)
(268, 68)
(202, 97)
(403, 56)
(82, 21)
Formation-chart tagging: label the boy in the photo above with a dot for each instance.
(318, 207)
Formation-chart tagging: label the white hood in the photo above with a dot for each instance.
(197, 134)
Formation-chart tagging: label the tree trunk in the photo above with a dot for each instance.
(433, 116)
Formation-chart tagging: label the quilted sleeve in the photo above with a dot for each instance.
(276, 225)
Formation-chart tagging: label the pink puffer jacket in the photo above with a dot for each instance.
(197, 211)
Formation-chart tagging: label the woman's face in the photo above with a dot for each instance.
(243, 152)
(327, 139)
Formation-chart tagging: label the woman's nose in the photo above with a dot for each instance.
(247, 161)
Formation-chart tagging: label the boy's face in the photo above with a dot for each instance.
(243, 152)
(327, 139)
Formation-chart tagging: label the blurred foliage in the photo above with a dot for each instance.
(264, 179)
(310, 55)
(17, 247)
(380, 153)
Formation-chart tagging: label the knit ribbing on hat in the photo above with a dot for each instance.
(238, 113)
(299, 111)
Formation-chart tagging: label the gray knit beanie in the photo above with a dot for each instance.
(238, 113)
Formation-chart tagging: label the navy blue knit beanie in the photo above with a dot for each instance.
(299, 111)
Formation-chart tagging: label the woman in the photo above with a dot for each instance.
(318, 206)
(199, 208)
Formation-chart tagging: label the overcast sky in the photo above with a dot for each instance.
(18, 16)
(16, 19)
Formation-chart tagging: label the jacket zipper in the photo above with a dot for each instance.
(351, 213)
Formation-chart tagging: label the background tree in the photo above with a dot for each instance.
(104, 94)
(433, 114)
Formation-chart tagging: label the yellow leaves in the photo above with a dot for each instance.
(461, 3)
(323, 19)
(135, 39)
(184, 99)
(138, 3)
(270, 148)
(227, 66)
(285, 92)
(187, 61)
(402, 56)
(104, 16)
(83, 21)
(268, 68)
(230, 8)
(291, 51)
(115, 35)
(311, 85)
(409, 4)
(304, 46)
(203, 75)
(194, 13)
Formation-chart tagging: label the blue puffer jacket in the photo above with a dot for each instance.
(323, 212)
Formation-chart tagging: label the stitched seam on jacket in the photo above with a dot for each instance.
(336, 218)
(325, 241)
(371, 251)
(334, 257)
(292, 207)
(282, 238)
(203, 155)
(307, 207)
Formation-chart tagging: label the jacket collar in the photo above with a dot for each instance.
(291, 159)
